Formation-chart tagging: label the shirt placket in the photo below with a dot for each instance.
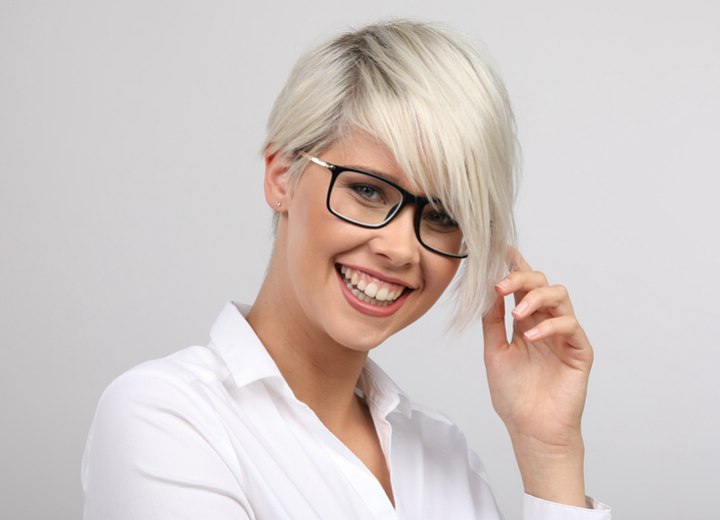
(357, 474)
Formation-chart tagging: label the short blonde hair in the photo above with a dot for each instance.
(436, 103)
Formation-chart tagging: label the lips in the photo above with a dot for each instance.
(369, 288)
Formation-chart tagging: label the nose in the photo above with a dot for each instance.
(397, 241)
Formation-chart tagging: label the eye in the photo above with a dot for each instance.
(369, 192)
(438, 220)
(366, 191)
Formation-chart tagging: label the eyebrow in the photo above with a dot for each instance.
(387, 176)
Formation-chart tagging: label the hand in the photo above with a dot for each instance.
(538, 380)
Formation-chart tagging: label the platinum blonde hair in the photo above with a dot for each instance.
(435, 102)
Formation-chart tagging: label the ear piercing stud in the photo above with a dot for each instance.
(278, 204)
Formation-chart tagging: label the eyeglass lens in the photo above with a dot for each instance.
(367, 200)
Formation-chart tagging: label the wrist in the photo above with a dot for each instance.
(553, 472)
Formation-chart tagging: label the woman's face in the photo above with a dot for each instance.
(356, 285)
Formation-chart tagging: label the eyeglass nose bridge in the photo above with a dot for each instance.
(407, 198)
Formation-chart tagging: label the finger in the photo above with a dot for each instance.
(555, 299)
(516, 263)
(566, 327)
(494, 333)
(521, 281)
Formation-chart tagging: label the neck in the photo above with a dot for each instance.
(321, 373)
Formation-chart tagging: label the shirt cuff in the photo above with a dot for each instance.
(538, 509)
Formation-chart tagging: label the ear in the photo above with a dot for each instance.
(277, 182)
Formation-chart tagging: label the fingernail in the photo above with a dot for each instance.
(521, 308)
(503, 284)
(532, 333)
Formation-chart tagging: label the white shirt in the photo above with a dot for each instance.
(216, 433)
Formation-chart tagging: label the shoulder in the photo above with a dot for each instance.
(165, 406)
(173, 386)
(158, 433)
(189, 367)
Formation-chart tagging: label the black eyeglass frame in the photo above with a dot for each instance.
(407, 198)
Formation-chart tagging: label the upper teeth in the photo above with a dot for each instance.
(372, 287)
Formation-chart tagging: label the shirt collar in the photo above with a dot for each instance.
(381, 392)
(235, 341)
(248, 361)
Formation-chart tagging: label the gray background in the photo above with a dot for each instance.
(131, 209)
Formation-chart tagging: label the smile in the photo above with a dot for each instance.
(370, 289)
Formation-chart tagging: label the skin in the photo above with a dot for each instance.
(320, 342)
(538, 381)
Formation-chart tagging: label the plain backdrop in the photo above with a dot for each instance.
(131, 209)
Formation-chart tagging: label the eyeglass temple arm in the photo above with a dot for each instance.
(317, 161)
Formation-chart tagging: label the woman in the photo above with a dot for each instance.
(389, 166)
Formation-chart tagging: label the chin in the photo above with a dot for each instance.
(362, 332)
(359, 341)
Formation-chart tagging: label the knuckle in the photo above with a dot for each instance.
(547, 328)
(516, 278)
(534, 300)
(571, 323)
(542, 279)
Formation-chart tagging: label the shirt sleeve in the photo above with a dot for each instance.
(538, 509)
(151, 453)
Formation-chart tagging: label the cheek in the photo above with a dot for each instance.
(442, 273)
(315, 236)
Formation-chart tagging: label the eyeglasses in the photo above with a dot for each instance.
(370, 201)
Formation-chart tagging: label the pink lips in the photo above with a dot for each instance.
(369, 308)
